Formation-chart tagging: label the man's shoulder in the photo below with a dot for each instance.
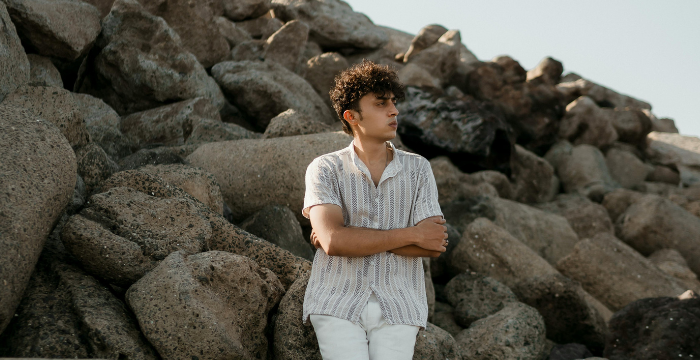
(409, 158)
(330, 159)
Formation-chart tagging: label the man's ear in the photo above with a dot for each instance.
(349, 117)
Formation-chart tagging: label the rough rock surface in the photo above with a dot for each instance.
(159, 156)
(286, 45)
(576, 86)
(614, 273)
(585, 217)
(139, 63)
(440, 59)
(102, 123)
(256, 173)
(453, 184)
(38, 176)
(632, 125)
(616, 202)
(238, 10)
(263, 90)
(434, 343)
(260, 28)
(582, 169)
(14, 65)
(517, 331)
(278, 225)
(63, 29)
(292, 339)
(681, 152)
(655, 328)
(427, 36)
(672, 262)
(210, 304)
(292, 122)
(233, 34)
(626, 168)
(476, 296)
(533, 177)
(548, 70)
(43, 72)
(94, 166)
(320, 72)
(332, 23)
(587, 123)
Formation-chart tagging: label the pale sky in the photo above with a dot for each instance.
(647, 49)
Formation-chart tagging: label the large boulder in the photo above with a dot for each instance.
(614, 273)
(548, 70)
(94, 166)
(332, 23)
(617, 202)
(292, 122)
(681, 152)
(260, 28)
(515, 332)
(287, 44)
(575, 86)
(585, 217)
(470, 132)
(434, 343)
(14, 65)
(476, 296)
(440, 59)
(279, 225)
(38, 177)
(452, 184)
(125, 233)
(212, 304)
(672, 262)
(102, 123)
(548, 235)
(626, 168)
(238, 10)
(64, 29)
(42, 72)
(292, 339)
(256, 173)
(533, 177)
(653, 223)
(426, 37)
(320, 71)
(586, 123)
(195, 23)
(262, 90)
(655, 328)
(139, 63)
(582, 169)
(632, 125)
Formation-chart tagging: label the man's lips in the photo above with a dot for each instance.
(394, 124)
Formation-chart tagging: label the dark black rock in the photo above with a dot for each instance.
(569, 352)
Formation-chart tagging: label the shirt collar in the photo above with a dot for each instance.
(391, 170)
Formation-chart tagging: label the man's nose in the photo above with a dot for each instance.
(393, 111)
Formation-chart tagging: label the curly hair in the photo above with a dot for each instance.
(359, 80)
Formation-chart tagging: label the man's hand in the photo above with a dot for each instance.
(314, 239)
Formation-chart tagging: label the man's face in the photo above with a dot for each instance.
(377, 118)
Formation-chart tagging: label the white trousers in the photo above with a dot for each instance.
(371, 339)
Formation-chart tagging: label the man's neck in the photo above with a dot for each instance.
(372, 152)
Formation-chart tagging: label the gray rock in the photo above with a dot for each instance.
(661, 125)
(664, 174)
(444, 318)
(64, 29)
(548, 71)
(103, 6)
(517, 331)
(632, 125)
(195, 23)
(582, 169)
(616, 202)
(292, 339)
(238, 10)
(681, 152)
(452, 184)
(139, 63)
(426, 37)
(94, 166)
(321, 71)
(476, 296)
(586, 123)
(235, 35)
(333, 23)
(626, 168)
(434, 343)
(286, 45)
(250, 50)
(614, 273)
(440, 59)
(585, 217)
(260, 28)
(210, 130)
(574, 86)
(14, 66)
(159, 156)
(103, 125)
(205, 305)
(672, 262)
(43, 72)
(292, 123)
(533, 177)
(278, 225)
(38, 175)
(429, 287)
(569, 351)
(263, 90)
(497, 180)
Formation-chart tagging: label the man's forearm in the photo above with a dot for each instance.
(357, 241)
(415, 251)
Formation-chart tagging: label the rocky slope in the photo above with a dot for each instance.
(152, 179)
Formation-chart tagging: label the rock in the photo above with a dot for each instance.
(43, 72)
(417, 76)
(469, 131)
(547, 71)
(399, 41)
(150, 157)
(233, 34)
(278, 225)
(586, 123)
(263, 90)
(569, 351)
(533, 177)
(38, 177)
(452, 184)
(681, 152)
(663, 125)
(251, 50)
(292, 123)
(210, 130)
(548, 235)
(194, 181)
(208, 304)
(476, 296)
(293, 340)
(440, 267)
(582, 169)
(517, 331)
(567, 315)
(256, 173)
(653, 223)
(15, 68)
(656, 328)
(497, 180)
(426, 37)
(332, 24)
(632, 125)
(103, 125)
(321, 71)
(63, 29)
(285, 46)
(575, 86)
(585, 217)
(94, 166)
(616, 202)
(262, 27)
(614, 273)
(139, 63)
(66, 313)
(56, 105)
(195, 23)
(434, 343)
(627, 169)
(123, 233)
(440, 59)
(664, 174)
(672, 262)
(170, 124)
(103, 6)
(429, 287)
(247, 9)
(445, 319)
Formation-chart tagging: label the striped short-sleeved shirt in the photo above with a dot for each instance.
(407, 193)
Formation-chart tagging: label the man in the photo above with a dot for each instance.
(374, 212)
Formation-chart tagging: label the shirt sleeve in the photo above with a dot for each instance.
(321, 186)
(426, 204)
